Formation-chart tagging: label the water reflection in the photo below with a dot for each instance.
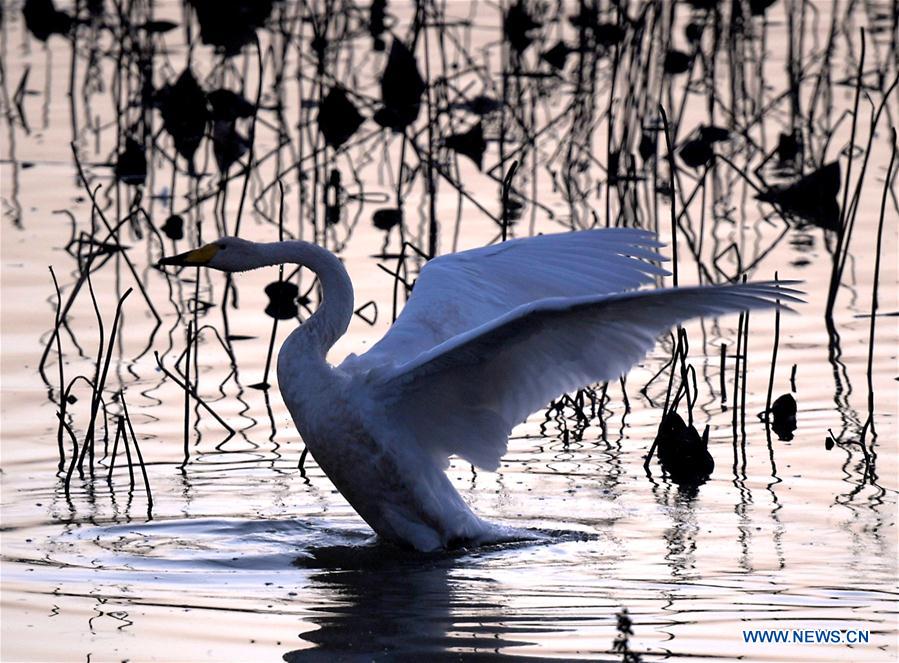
(383, 608)
(387, 604)
(681, 536)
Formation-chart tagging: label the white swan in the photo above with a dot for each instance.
(488, 337)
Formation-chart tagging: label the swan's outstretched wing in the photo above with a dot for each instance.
(464, 396)
(458, 292)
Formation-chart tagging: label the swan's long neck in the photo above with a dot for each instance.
(334, 313)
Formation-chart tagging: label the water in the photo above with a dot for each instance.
(242, 556)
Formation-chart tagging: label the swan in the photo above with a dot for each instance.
(487, 337)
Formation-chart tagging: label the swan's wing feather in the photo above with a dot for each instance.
(461, 291)
(465, 396)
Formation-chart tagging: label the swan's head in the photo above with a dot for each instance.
(228, 254)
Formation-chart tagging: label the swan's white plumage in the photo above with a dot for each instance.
(487, 337)
(458, 292)
(464, 396)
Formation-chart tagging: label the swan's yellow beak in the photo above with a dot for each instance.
(195, 258)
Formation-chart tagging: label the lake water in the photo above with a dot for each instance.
(244, 556)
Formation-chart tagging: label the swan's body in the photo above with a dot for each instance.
(401, 497)
(489, 336)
